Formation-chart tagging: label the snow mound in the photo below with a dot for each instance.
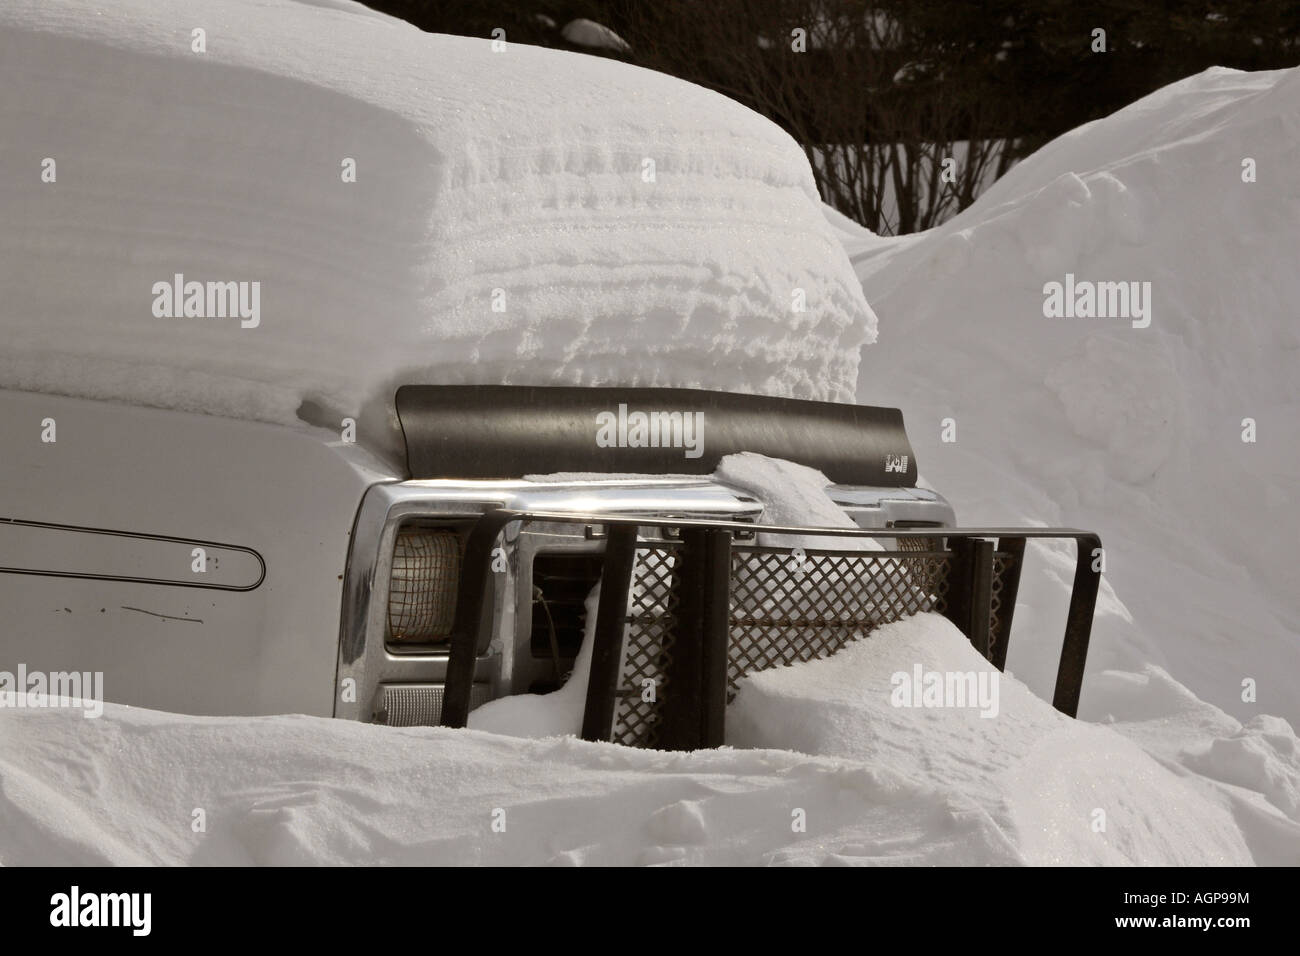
(526, 216)
(1058, 790)
(1136, 432)
(299, 790)
(909, 785)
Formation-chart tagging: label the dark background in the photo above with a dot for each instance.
(889, 88)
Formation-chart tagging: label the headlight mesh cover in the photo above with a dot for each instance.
(422, 589)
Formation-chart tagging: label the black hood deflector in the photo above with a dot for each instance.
(508, 431)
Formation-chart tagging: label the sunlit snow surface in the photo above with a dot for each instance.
(1135, 433)
(527, 216)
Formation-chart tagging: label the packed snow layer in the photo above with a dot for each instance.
(1135, 432)
(295, 790)
(1184, 784)
(526, 216)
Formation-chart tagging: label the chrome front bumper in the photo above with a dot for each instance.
(374, 680)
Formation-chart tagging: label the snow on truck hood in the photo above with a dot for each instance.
(524, 217)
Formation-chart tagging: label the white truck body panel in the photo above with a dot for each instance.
(288, 494)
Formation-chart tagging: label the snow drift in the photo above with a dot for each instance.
(1135, 432)
(304, 790)
(1181, 784)
(525, 216)
(1055, 790)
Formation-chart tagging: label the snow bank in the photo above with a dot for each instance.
(895, 784)
(501, 226)
(1136, 432)
(296, 790)
(1254, 767)
(1058, 790)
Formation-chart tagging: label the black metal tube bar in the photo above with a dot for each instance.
(611, 626)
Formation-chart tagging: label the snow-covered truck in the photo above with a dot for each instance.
(267, 270)
(210, 565)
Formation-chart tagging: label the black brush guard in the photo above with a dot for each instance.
(682, 620)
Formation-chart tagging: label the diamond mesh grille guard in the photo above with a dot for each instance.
(681, 621)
